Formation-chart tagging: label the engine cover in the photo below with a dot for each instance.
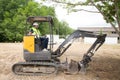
(37, 56)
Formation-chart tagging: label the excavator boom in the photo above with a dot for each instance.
(77, 34)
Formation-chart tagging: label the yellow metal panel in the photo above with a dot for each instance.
(29, 43)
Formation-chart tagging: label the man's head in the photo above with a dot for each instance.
(35, 25)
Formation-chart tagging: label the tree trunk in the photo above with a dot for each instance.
(116, 29)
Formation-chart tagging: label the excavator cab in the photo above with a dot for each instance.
(34, 47)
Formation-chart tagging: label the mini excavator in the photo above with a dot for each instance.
(40, 62)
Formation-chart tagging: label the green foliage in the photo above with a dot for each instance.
(64, 29)
(110, 9)
(13, 15)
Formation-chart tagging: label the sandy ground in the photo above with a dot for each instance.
(105, 64)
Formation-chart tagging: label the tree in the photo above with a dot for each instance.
(12, 19)
(13, 15)
(64, 29)
(8, 14)
(110, 9)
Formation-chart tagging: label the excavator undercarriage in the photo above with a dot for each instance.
(40, 62)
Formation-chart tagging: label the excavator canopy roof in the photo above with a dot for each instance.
(33, 19)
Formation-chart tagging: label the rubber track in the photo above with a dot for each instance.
(34, 63)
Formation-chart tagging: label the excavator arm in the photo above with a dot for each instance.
(77, 34)
(81, 65)
(91, 51)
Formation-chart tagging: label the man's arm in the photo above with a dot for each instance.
(30, 32)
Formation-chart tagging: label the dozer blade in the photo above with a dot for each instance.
(34, 68)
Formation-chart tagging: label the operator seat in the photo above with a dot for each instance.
(41, 43)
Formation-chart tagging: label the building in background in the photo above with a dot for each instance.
(112, 36)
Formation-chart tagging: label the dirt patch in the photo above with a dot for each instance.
(105, 64)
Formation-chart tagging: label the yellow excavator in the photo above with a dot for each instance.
(40, 62)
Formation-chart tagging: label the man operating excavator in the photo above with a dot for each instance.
(35, 31)
(42, 41)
